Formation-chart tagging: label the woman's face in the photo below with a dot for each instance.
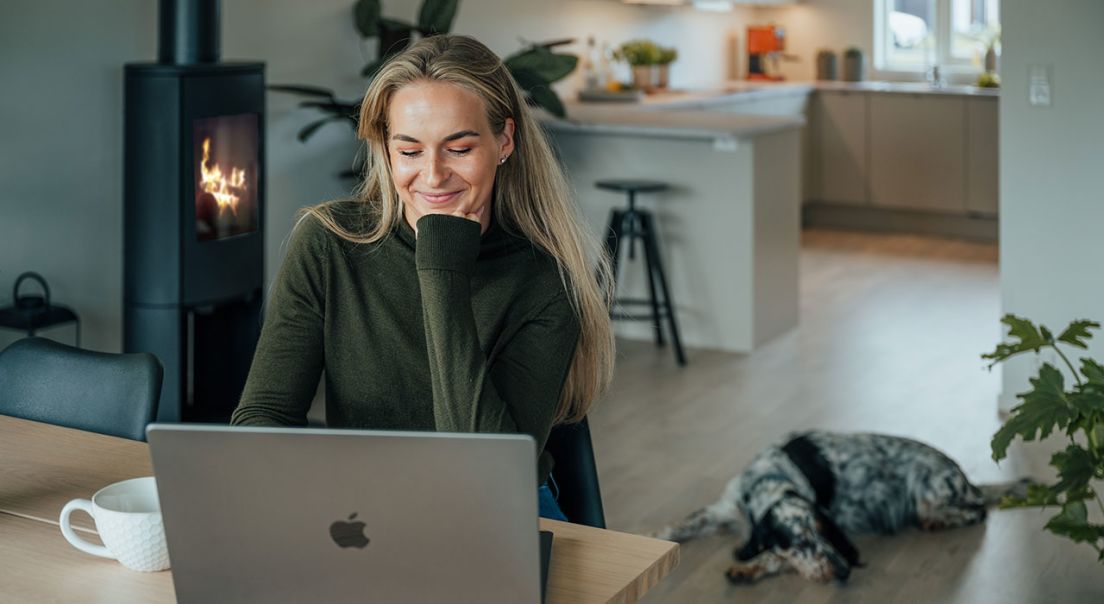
(443, 153)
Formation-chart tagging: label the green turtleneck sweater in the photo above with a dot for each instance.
(447, 331)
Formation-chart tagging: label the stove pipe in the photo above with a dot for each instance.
(189, 32)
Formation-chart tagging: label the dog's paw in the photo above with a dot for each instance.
(741, 574)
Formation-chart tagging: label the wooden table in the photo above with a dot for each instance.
(42, 467)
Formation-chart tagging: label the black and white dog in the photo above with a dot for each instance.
(796, 503)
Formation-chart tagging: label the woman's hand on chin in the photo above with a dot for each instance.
(475, 216)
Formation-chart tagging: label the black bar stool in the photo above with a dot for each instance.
(634, 224)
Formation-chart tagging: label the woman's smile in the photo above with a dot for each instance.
(439, 198)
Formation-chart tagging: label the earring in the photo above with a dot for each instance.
(502, 159)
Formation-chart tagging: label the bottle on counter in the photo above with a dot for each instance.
(826, 65)
(592, 79)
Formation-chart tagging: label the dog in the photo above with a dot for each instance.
(797, 502)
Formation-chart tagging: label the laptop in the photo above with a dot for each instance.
(318, 515)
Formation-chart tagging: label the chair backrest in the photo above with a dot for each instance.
(113, 394)
(576, 474)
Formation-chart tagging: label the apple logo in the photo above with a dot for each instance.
(349, 534)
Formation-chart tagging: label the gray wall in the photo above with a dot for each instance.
(61, 130)
(1052, 170)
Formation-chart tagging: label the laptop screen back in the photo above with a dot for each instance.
(278, 514)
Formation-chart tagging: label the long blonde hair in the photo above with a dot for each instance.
(531, 195)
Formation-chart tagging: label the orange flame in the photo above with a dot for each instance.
(214, 182)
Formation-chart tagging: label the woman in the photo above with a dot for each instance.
(458, 291)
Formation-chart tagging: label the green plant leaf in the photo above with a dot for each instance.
(302, 90)
(538, 90)
(556, 42)
(1093, 372)
(394, 37)
(1044, 407)
(308, 131)
(1076, 467)
(1038, 495)
(549, 66)
(1087, 399)
(366, 16)
(1073, 522)
(1078, 332)
(436, 16)
(1025, 337)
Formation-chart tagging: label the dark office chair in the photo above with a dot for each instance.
(576, 474)
(114, 394)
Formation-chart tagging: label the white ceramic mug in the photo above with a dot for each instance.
(128, 518)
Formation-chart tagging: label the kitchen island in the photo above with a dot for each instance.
(729, 226)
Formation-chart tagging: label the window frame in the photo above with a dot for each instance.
(948, 63)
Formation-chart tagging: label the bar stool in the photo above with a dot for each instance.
(634, 224)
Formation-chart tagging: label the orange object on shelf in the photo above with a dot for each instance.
(765, 44)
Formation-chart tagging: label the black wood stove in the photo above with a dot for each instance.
(194, 213)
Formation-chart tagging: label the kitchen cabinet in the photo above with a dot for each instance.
(982, 154)
(918, 152)
(838, 133)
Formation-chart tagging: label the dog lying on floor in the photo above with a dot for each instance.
(796, 503)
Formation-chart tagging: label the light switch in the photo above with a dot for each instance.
(1038, 85)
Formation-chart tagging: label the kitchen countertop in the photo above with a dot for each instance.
(636, 120)
(687, 113)
(738, 91)
(910, 88)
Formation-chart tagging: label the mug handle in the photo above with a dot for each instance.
(71, 535)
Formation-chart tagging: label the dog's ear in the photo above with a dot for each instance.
(835, 535)
(755, 545)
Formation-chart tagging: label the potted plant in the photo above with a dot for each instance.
(534, 68)
(642, 56)
(853, 67)
(1050, 406)
(666, 56)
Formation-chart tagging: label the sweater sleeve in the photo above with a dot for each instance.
(288, 361)
(520, 390)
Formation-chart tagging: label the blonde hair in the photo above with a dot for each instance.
(531, 196)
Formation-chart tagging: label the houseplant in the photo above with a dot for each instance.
(666, 56)
(642, 56)
(1049, 406)
(534, 68)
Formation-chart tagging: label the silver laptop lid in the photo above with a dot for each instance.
(311, 515)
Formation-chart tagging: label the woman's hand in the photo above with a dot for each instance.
(475, 216)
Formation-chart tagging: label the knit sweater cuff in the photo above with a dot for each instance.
(447, 243)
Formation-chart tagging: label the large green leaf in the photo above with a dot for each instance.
(436, 16)
(1087, 399)
(303, 90)
(1044, 408)
(1076, 467)
(550, 66)
(366, 16)
(1073, 522)
(308, 131)
(1078, 332)
(538, 90)
(394, 37)
(1025, 337)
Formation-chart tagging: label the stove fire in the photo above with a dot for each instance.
(226, 156)
(214, 182)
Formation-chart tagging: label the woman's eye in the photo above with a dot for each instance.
(462, 151)
(410, 153)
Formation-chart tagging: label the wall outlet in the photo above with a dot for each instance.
(1038, 85)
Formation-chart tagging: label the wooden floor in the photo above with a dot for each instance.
(891, 332)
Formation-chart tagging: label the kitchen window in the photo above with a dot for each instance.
(915, 35)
